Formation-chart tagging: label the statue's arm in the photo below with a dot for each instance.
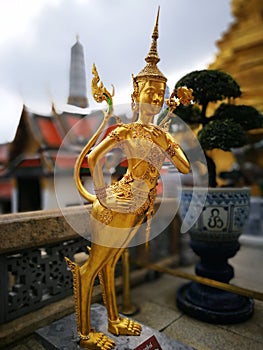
(95, 161)
(178, 157)
(113, 140)
(173, 151)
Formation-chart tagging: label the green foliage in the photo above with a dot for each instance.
(189, 114)
(226, 129)
(224, 134)
(247, 116)
(210, 85)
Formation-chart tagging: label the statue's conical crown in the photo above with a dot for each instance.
(151, 71)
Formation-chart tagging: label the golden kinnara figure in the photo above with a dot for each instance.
(120, 209)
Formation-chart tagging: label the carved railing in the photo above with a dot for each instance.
(33, 272)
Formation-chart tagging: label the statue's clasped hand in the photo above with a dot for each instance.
(127, 198)
(112, 200)
(154, 130)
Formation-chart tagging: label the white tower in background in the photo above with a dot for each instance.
(77, 82)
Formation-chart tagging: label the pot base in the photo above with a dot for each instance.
(213, 305)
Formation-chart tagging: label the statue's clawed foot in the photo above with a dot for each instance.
(96, 341)
(124, 326)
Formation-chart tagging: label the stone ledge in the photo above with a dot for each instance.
(34, 229)
(25, 230)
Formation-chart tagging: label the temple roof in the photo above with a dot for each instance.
(45, 142)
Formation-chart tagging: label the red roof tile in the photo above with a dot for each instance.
(83, 127)
(31, 163)
(5, 189)
(49, 131)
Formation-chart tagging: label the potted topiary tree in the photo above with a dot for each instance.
(214, 236)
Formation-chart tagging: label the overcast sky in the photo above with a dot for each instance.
(36, 37)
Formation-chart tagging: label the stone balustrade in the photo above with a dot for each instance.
(32, 251)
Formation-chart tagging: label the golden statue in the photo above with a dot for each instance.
(118, 210)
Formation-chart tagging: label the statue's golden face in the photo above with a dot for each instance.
(151, 97)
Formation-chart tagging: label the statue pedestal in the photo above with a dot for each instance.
(62, 334)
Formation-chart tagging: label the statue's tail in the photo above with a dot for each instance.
(100, 93)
